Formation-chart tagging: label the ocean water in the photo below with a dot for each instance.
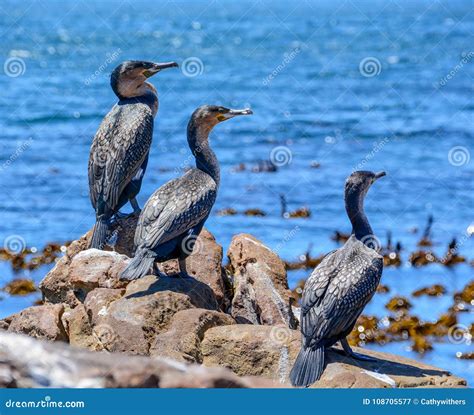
(349, 85)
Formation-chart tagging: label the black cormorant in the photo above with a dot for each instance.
(119, 151)
(339, 287)
(175, 214)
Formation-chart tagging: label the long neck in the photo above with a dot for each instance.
(355, 210)
(206, 160)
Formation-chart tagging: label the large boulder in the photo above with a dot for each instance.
(182, 340)
(29, 363)
(129, 320)
(41, 322)
(261, 293)
(270, 352)
(204, 264)
(71, 279)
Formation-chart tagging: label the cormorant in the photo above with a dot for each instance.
(339, 287)
(175, 214)
(119, 151)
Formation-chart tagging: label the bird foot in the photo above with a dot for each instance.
(347, 350)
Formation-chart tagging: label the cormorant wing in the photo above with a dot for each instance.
(174, 208)
(119, 148)
(338, 289)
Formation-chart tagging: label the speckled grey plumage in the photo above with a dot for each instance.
(337, 291)
(339, 287)
(119, 151)
(176, 207)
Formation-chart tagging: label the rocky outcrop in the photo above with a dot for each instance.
(29, 363)
(270, 352)
(41, 322)
(234, 326)
(182, 340)
(260, 283)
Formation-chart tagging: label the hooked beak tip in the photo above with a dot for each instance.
(245, 111)
(380, 174)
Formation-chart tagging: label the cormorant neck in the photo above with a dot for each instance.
(355, 211)
(198, 140)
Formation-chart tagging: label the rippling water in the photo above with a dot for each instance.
(372, 85)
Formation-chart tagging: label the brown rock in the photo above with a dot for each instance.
(60, 366)
(250, 350)
(270, 352)
(42, 322)
(131, 323)
(72, 278)
(182, 340)
(79, 329)
(256, 265)
(205, 265)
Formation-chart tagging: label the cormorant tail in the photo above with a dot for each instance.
(99, 234)
(308, 367)
(139, 266)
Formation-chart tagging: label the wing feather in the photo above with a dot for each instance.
(119, 148)
(176, 207)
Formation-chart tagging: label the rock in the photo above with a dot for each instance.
(255, 265)
(79, 329)
(182, 340)
(204, 264)
(72, 278)
(41, 322)
(270, 352)
(252, 350)
(130, 323)
(60, 366)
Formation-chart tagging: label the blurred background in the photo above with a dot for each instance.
(335, 86)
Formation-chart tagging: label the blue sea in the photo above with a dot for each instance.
(334, 85)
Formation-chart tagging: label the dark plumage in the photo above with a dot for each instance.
(339, 288)
(119, 151)
(174, 215)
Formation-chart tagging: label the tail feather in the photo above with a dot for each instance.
(99, 235)
(308, 367)
(138, 267)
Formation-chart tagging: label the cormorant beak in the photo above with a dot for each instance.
(235, 113)
(157, 67)
(379, 175)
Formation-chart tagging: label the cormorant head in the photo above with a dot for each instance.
(210, 115)
(129, 78)
(359, 182)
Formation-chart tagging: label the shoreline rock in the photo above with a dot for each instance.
(193, 331)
